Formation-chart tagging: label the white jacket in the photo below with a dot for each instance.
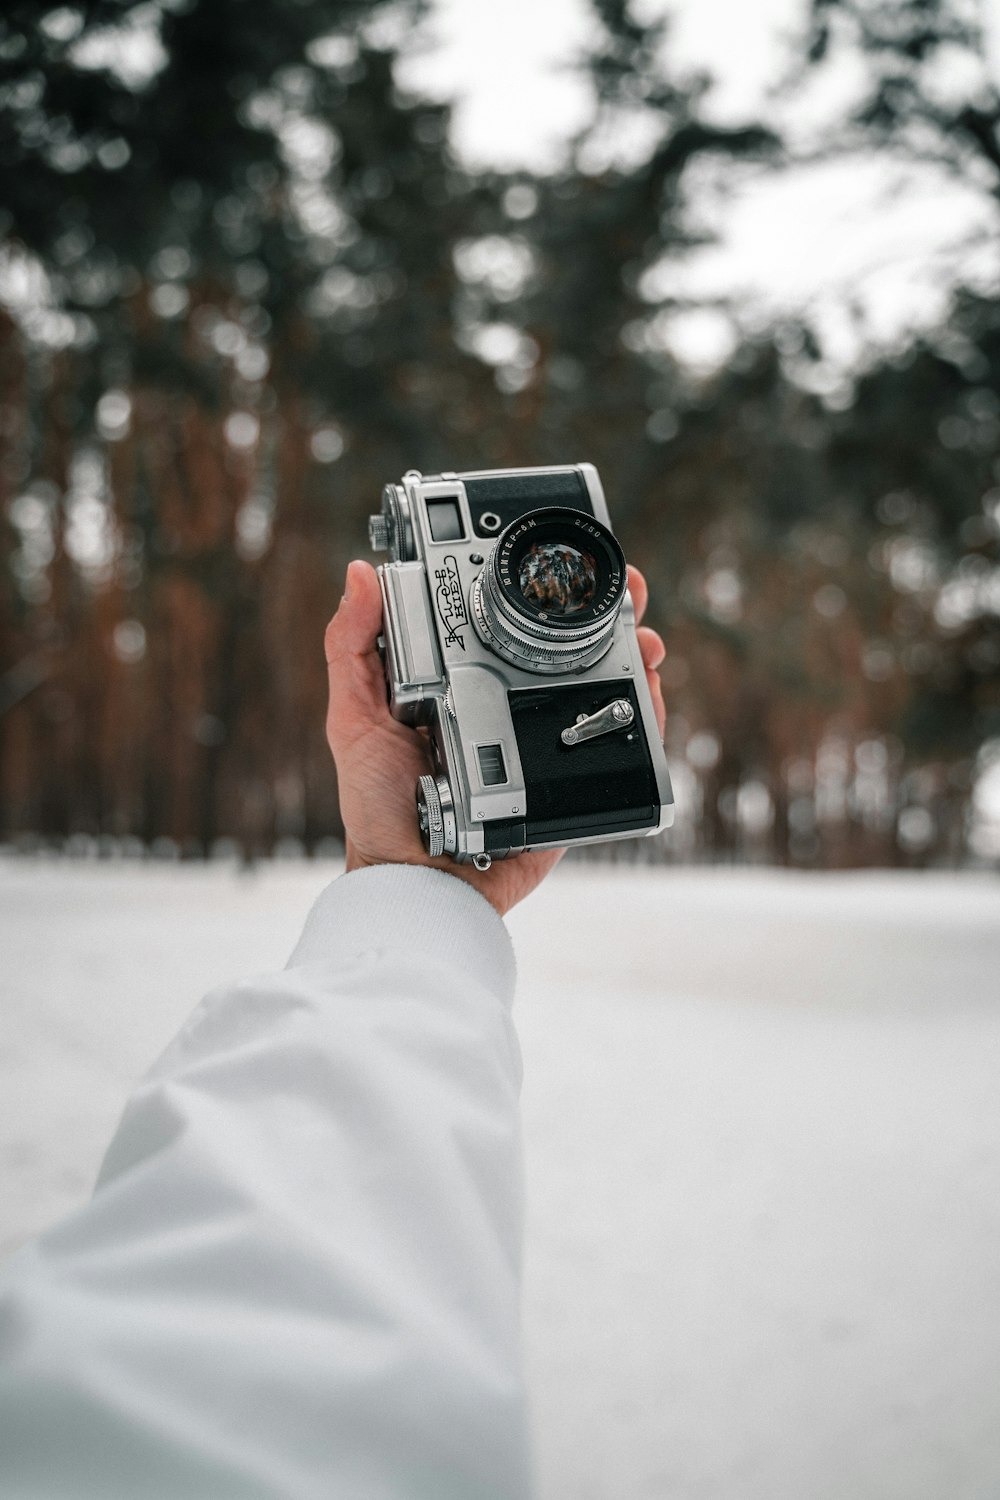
(298, 1276)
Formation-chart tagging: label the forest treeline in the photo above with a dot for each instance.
(245, 281)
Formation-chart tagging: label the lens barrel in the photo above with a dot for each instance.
(550, 591)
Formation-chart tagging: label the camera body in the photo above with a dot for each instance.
(509, 632)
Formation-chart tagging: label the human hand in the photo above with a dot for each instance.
(379, 760)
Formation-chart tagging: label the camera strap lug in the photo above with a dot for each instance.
(616, 715)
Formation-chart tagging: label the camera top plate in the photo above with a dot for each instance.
(504, 498)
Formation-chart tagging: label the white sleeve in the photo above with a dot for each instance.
(298, 1276)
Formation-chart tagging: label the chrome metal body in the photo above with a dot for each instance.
(446, 668)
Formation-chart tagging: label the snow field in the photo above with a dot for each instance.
(762, 1127)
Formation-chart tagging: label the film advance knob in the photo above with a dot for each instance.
(430, 816)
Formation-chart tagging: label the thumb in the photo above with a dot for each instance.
(357, 681)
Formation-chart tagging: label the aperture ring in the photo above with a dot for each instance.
(550, 657)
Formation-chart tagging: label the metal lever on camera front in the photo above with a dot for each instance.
(617, 715)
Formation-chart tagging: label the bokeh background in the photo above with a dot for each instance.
(258, 259)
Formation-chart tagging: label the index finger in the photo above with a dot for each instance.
(640, 593)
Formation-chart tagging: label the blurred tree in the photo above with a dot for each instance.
(928, 89)
(240, 237)
(246, 282)
(918, 452)
(921, 454)
(598, 374)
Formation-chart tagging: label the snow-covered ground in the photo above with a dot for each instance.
(762, 1120)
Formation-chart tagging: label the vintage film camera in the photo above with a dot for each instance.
(510, 633)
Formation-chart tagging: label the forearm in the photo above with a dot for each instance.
(299, 1274)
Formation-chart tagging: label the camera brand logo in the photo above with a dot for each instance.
(450, 603)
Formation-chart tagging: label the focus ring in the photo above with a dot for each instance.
(550, 657)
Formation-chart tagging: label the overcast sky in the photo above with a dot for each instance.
(517, 101)
(841, 240)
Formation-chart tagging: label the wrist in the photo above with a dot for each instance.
(398, 905)
(492, 889)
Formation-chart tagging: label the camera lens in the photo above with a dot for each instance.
(550, 592)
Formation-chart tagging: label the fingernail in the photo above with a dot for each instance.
(347, 581)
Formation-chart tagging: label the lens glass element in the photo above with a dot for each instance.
(556, 578)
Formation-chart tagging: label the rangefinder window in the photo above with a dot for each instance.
(445, 520)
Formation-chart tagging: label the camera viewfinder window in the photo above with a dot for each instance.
(445, 520)
(491, 766)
